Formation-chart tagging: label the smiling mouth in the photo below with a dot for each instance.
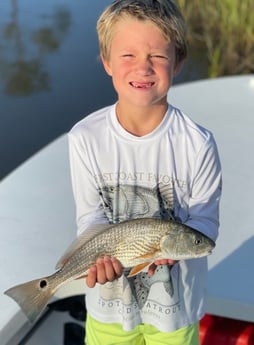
(140, 85)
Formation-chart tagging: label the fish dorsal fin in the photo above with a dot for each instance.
(83, 238)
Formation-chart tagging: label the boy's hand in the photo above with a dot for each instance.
(154, 265)
(105, 270)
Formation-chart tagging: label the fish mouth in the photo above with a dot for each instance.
(141, 85)
(206, 253)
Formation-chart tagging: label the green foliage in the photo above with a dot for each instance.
(225, 30)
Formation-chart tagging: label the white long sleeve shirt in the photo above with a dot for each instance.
(172, 172)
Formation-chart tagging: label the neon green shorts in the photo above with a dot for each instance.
(98, 333)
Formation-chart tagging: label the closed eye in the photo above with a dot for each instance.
(159, 57)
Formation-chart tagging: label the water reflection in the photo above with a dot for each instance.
(50, 76)
(27, 74)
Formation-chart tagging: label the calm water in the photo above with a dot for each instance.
(50, 74)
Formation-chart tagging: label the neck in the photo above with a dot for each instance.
(140, 121)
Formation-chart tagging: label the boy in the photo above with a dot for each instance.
(142, 157)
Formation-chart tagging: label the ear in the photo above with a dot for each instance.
(178, 67)
(106, 65)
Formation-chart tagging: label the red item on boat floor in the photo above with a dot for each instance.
(217, 330)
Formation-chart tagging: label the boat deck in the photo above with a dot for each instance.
(37, 215)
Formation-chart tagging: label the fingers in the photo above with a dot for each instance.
(154, 265)
(152, 269)
(165, 262)
(106, 269)
(91, 277)
(117, 267)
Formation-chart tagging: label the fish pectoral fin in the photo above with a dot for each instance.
(137, 269)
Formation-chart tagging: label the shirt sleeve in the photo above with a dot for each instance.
(206, 191)
(86, 196)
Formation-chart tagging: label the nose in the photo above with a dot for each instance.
(144, 66)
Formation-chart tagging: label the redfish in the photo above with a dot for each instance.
(135, 243)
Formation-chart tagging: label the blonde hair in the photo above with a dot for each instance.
(163, 13)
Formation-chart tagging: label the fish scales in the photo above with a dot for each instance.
(134, 242)
(130, 242)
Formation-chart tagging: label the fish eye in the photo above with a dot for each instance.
(198, 241)
(43, 284)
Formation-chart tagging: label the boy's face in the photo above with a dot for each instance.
(141, 63)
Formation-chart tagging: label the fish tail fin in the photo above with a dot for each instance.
(32, 297)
